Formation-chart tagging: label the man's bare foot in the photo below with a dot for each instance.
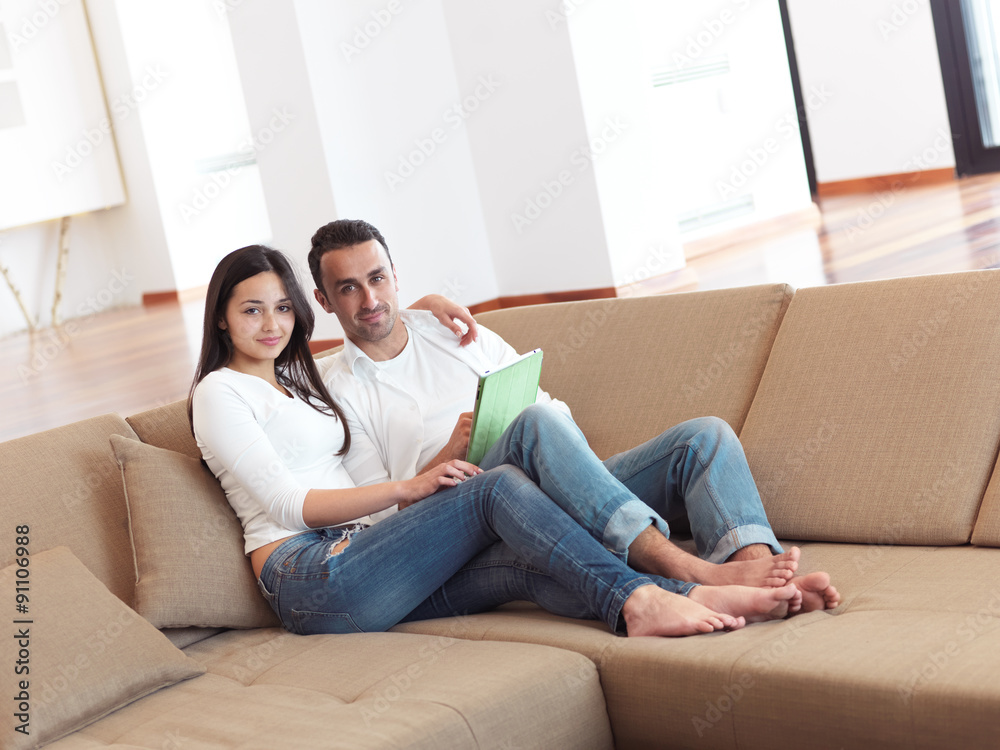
(754, 565)
(770, 571)
(753, 604)
(650, 610)
(817, 593)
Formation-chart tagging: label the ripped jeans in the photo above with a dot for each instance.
(396, 569)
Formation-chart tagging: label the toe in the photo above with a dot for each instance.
(832, 597)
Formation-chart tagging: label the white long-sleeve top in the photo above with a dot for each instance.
(402, 412)
(267, 450)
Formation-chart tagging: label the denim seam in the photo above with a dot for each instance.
(650, 462)
(515, 440)
(711, 489)
(513, 563)
(618, 600)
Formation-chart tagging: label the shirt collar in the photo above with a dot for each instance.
(412, 319)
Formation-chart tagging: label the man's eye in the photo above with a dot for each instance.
(378, 278)
(347, 289)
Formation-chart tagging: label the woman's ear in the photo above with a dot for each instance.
(222, 324)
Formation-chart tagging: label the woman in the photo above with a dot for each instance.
(274, 438)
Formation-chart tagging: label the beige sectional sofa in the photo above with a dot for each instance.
(870, 414)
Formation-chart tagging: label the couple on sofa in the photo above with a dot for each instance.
(359, 511)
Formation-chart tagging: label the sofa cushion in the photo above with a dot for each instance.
(631, 368)
(907, 660)
(166, 427)
(190, 566)
(878, 416)
(267, 688)
(65, 485)
(84, 652)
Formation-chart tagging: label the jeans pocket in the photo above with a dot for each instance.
(268, 596)
(304, 622)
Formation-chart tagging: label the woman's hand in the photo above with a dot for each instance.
(448, 312)
(447, 474)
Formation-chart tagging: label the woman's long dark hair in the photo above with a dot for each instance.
(295, 367)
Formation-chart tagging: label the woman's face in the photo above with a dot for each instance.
(260, 319)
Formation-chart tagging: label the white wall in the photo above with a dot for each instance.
(505, 149)
(878, 61)
(100, 242)
(628, 146)
(173, 95)
(63, 164)
(729, 144)
(449, 122)
(382, 81)
(296, 184)
(544, 219)
(193, 111)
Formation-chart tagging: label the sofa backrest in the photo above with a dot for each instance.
(987, 530)
(66, 487)
(166, 427)
(878, 417)
(630, 368)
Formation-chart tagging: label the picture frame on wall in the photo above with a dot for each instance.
(57, 149)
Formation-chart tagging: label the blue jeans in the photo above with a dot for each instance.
(391, 570)
(696, 468)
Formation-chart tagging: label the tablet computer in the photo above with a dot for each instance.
(501, 395)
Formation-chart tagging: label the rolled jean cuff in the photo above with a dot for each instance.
(740, 537)
(626, 523)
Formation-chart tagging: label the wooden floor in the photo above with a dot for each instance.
(134, 359)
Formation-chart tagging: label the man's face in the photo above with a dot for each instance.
(360, 289)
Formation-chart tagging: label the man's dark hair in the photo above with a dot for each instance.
(339, 234)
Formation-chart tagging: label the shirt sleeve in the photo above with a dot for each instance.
(500, 352)
(364, 461)
(224, 423)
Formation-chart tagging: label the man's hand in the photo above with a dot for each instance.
(458, 443)
(447, 312)
(457, 446)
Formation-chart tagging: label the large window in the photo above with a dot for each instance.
(967, 33)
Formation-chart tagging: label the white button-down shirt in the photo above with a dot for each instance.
(398, 423)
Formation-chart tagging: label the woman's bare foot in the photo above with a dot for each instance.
(650, 610)
(771, 571)
(753, 604)
(817, 593)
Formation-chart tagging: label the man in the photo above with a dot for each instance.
(407, 385)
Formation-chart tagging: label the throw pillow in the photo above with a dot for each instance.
(188, 543)
(76, 651)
